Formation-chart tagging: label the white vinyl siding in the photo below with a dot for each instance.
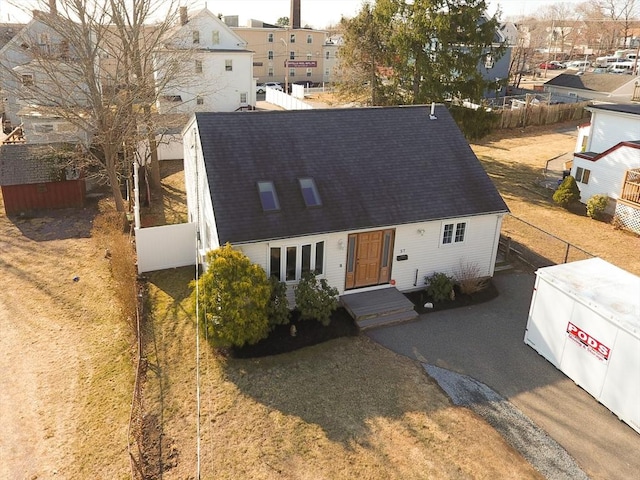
(607, 173)
(419, 241)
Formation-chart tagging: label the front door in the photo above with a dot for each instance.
(369, 258)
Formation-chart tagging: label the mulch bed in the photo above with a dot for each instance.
(308, 332)
(420, 297)
(312, 332)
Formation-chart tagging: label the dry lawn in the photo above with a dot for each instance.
(341, 410)
(66, 361)
(515, 160)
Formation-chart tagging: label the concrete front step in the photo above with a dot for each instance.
(387, 319)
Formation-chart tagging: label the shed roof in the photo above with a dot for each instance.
(22, 164)
(372, 167)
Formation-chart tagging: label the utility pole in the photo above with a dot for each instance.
(286, 65)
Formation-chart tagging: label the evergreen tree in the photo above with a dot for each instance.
(233, 299)
(423, 51)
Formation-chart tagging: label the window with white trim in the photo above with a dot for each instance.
(243, 98)
(582, 175)
(199, 100)
(270, 55)
(228, 65)
(453, 233)
(289, 262)
(196, 36)
(270, 72)
(198, 66)
(292, 72)
(309, 38)
(215, 37)
(292, 38)
(308, 72)
(270, 37)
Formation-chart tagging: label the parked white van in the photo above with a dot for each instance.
(622, 67)
(578, 65)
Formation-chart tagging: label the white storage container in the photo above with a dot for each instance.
(585, 319)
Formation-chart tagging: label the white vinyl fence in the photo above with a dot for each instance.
(286, 101)
(169, 246)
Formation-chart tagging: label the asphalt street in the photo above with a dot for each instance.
(486, 344)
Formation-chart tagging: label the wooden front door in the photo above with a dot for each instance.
(369, 257)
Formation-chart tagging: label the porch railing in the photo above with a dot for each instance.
(631, 186)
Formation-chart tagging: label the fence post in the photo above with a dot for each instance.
(566, 253)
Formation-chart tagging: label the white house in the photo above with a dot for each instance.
(204, 67)
(607, 160)
(367, 198)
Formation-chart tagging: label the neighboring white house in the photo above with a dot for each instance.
(607, 160)
(367, 198)
(204, 67)
(18, 71)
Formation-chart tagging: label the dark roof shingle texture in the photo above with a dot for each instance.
(373, 167)
(23, 164)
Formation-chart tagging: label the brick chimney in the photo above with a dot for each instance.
(184, 17)
(294, 17)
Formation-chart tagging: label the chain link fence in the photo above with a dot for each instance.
(534, 246)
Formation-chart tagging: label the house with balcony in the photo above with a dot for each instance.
(607, 160)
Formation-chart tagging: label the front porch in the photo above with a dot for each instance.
(376, 308)
(628, 206)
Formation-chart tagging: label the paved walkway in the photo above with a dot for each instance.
(485, 342)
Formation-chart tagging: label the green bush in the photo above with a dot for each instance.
(233, 299)
(596, 206)
(567, 193)
(474, 124)
(279, 304)
(315, 299)
(439, 286)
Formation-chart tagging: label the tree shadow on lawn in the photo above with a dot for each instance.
(347, 387)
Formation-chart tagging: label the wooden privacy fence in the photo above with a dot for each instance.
(542, 114)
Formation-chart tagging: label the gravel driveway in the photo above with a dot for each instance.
(482, 347)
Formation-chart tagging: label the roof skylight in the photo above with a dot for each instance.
(268, 196)
(310, 192)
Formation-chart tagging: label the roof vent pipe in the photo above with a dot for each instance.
(432, 115)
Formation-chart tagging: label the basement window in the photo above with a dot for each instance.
(310, 192)
(268, 196)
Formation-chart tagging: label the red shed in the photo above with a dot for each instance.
(32, 178)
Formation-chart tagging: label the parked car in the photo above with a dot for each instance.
(275, 85)
(560, 65)
(305, 83)
(622, 67)
(579, 65)
(260, 88)
(549, 66)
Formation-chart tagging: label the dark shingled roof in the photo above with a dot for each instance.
(373, 167)
(634, 109)
(22, 164)
(596, 82)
